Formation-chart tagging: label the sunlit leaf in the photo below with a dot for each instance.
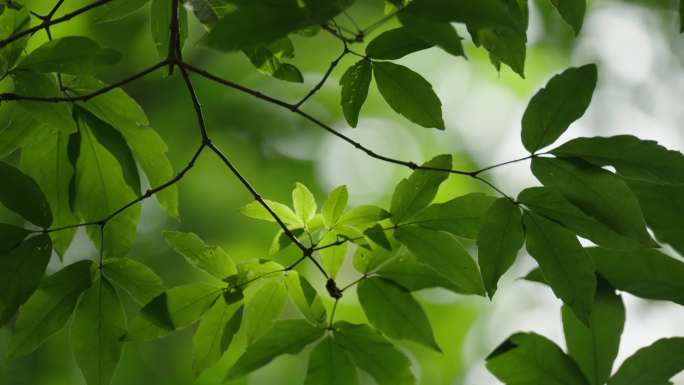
(306, 298)
(210, 259)
(70, 55)
(460, 216)
(262, 306)
(135, 278)
(334, 206)
(57, 115)
(414, 193)
(304, 203)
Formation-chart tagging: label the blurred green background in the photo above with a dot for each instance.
(639, 53)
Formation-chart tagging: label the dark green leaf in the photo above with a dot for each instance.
(597, 192)
(50, 307)
(441, 34)
(22, 266)
(269, 63)
(96, 333)
(374, 354)
(595, 347)
(57, 115)
(528, 358)
(572, 12)
(76, 55)
(334, 206)
(330, 364)
(500, 238)
(395, 44)
(663, 207)
(135, 278)
(118, 9)
(11, 237)
(11, 22)
(306, 298)
(562, 101)
(376, 233)
(215, 332)
(413, 275)
(160, 20)
(17, 128)
(443, 253)
(355, 83)
(286, 337)
(210, 259)
(567, 267)
(644, 273)
(414, 193)
(654, 364)
(21, 194)
(392, 310)
(460, 216)
(409, 94)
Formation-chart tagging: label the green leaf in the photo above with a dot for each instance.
(262, 306)
(376, 233)
(355, 83)
(366, 259)
(252, 23)
(567, 267)
(174, 309)
(374, 354)
(332, 257)
(160, 20)
(572, 12)
(50, 307)
(500, 238)
(286, 337)
(210, 259)
(634, 158)
(216, 331)
(57, 115)
(528, 358)
(395, 44)
(440, 34)
(22, 265)
(304, 203)
(96, 333)
(330, 364)
(124, 114)
(445, 254)
(46, 159)
(405, 270)
(267, 59)
(550, 203)
(11, 237)
(654, 364)
(414, 193)
(334, 206)
(644, 273)
(101, 189)
(362, 215)
(409, 94)
(460, 216)
(17, 128)
(11, 22)
(597, 192)
(257, 211)
(135, 278)
(563, 100)
(392, 310)
(595, 347)
(76, 55)
(306, 298)
(115, 10)
(663, 208)
(21, 194)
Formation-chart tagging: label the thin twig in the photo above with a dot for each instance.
(325, 77)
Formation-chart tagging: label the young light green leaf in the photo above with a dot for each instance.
(21, 194)
(135, 278)
(57, 115)
(330, 364)
(46, 159)
(332, 257)
(174, 309)
(306, 298)
(160, 20)
(409, 94)
(563, 100)
(210, 259)
(528, 358)
(101, 189)
(572, 12)
(440, 34)
(50, 307)
(374, 354)
(96, 333)
(355, 83)
(445, 254)
(597, 192)
(262, 306)
(362, 215)
(77, 55)
(654, 364)
(286, 337)
(460, 216)
(334, 206)
(634, 158)
(567, 267)
(22, 265)
(115, 10)
(414, 193)
(304, 203)
(392, 310)
(257, 211)
(645, 273)
(216, 331)
(501, 237)
(395, 44)
(595, 347)
(663, 208)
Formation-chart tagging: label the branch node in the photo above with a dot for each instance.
(412, 165)
(332, 288)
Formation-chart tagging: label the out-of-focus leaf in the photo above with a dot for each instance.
(21, 194)
(115, 10)
(11, 22)
(76, 55)
(210, 259)
(267, 59)
(414, 193)
(355, 83)
(441, 34)
(460, 216)
(654, 364)
(160, 20)
(395, 44)
(11, 237)
(330, 364)
(133, 277)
